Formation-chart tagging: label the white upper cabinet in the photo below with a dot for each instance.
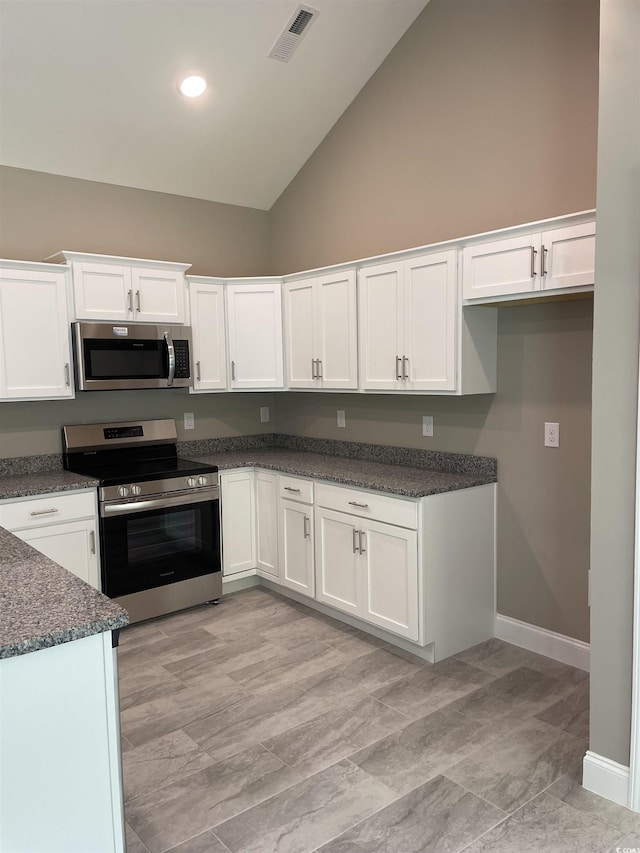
(254, 326)
(35, 346)
(530, 262)
(321, 332)
(408, 320)
(126, 289)
(208, 335)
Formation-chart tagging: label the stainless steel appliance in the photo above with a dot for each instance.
(112, 356)
(159, 515)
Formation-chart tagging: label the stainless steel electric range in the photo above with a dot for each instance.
(159, 515)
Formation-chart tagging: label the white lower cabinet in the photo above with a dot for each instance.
(368, 569)
(296, 535)
(63, 527)
(238, 521)
(267, 525)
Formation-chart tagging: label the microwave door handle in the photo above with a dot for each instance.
(172, 358)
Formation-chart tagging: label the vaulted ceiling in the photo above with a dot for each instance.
(88, 88)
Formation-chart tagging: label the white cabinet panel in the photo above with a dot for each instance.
(102, 292)
(35, 348)
(296, 547)
(158, 295)
(208, 335)
(338, 581)
(568, 256)
(254, 313)
(237, 506)
(321, 332)
(267, 525)
(381, 332)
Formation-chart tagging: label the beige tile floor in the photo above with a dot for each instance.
(260, 725)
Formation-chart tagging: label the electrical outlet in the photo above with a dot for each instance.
(341, 418)
(189, 420)
(427, 425)
(264, 414)
(551, 435)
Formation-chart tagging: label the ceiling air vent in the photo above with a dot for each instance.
(293, 34)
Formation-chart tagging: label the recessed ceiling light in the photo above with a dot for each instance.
(193, 86)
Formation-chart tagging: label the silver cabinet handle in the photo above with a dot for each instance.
(290, 489)
(138, 308)
(319, 360)
(355, 540)
(355, 503)
(130, 298)
(307, 530)
(67, 375)
(314, 374)
(533, 262)
(543, 259)
(405, 361)
(92, 541)
(233, 370)
(198, 371)
(361, 539)
(44, 511)
(398, 363)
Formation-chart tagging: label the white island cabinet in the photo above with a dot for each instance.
(35, 340)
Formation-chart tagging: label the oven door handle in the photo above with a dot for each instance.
(172, 358)
(166, 502)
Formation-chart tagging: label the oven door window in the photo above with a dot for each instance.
(148, 549)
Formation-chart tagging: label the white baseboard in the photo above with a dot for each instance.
(606, 778)
(543, 642)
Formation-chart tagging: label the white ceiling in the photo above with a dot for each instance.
(88, 89)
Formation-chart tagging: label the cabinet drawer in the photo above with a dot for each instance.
(295, 489)
(47, 509)
(374, 505)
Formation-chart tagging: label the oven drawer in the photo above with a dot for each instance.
(47, 509)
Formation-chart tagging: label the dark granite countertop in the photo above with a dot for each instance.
(44, 605)
(42, 483)
(405, 480)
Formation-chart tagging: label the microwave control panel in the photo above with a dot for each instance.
(181, 349)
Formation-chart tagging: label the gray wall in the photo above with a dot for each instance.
(615, 378)
(483, 116)
(40, 214)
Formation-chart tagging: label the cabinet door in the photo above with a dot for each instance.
(238, 522)
(35, 351)
(296, 547)
(380, 332)
(430, 313)
(158, 295)
(568, 256)
(208, 336)
(254, 312)
(502, 267)
(300, 333)
(267, 525)
(73, 545)
(390, 570)
(337, 335)
(102, 291)
(338, 579)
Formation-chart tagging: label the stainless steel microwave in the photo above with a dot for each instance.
(112, 357)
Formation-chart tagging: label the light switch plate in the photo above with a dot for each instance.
(264, 414)
(427, 425)
(189, 420)
(341, 418)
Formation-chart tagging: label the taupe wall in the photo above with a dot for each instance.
(483, 116)
(40, 214)
(615, 380)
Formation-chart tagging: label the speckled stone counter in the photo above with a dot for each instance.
(42, 483)
(44, 605)
(395, 479)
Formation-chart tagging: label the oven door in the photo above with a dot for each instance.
(158, 540)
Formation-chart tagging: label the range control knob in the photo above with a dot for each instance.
(191, 482)
(202, 481)
(135, 490)
(123, 491)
